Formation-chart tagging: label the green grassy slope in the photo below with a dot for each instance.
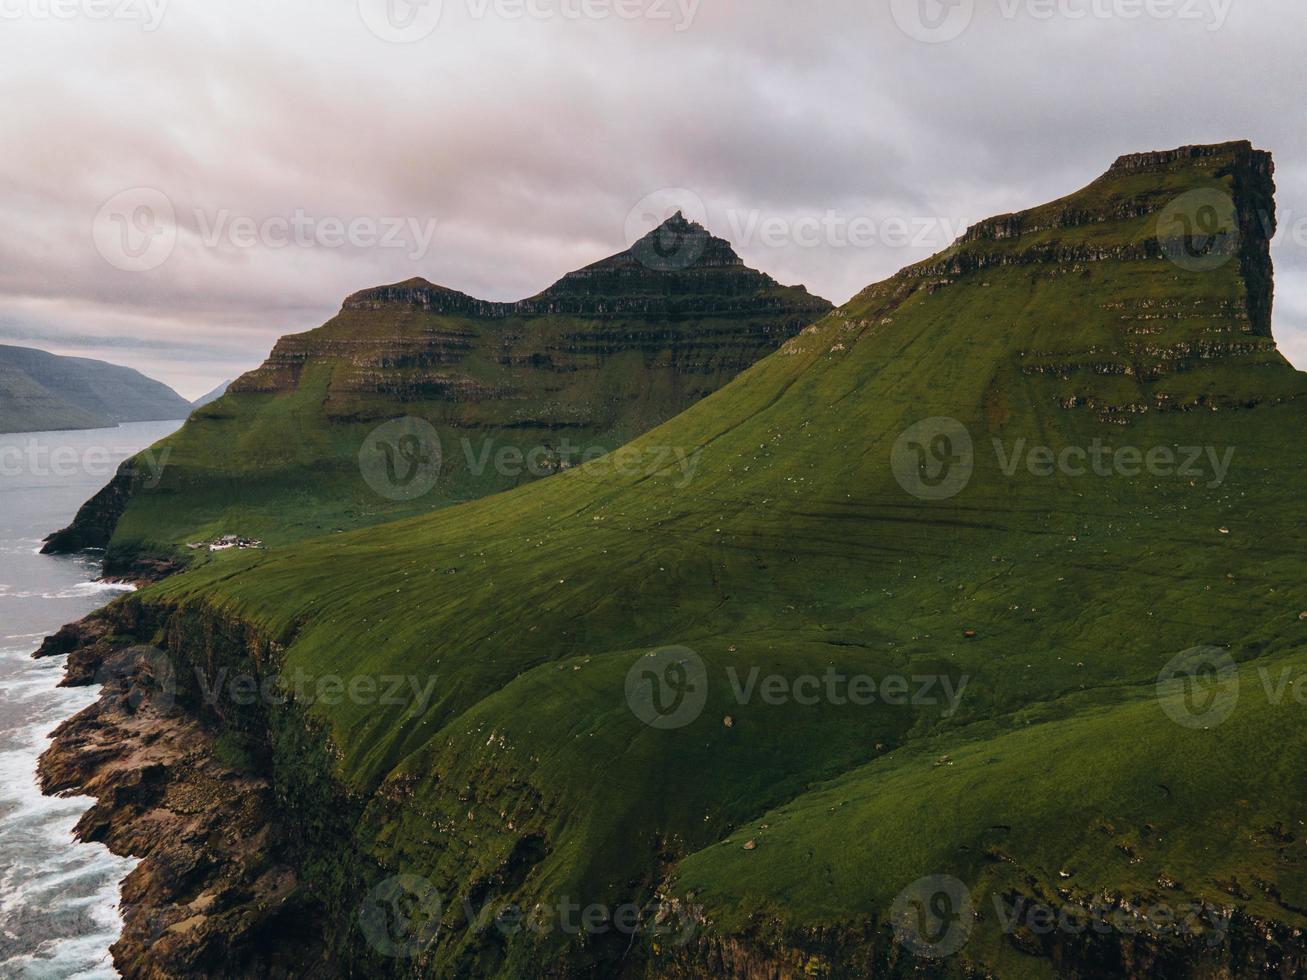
(512, 391)
(1050, 601)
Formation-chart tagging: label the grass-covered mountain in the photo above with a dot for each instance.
(512, 391)
(40, 391)
(826, 531)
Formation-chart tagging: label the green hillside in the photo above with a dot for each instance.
(495, 394)
(834, 527)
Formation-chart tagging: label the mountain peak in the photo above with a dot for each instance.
(677, 268)
(676, 245)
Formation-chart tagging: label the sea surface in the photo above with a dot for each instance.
(58, 898)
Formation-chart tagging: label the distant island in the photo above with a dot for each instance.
(40, 391)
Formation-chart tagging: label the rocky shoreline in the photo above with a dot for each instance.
(209, 893)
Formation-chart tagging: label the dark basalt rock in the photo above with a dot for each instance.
(95, 521)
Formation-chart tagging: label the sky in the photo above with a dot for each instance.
(184, 181)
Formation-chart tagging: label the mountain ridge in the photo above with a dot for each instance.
(40, 391)
(593, 360)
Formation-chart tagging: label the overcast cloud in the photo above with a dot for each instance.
(304, 155)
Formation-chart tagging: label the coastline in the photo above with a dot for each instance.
(206, 890)
(59, 899)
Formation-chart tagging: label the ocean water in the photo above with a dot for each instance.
(58, 898)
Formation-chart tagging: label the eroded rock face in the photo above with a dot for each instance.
(210, 897)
